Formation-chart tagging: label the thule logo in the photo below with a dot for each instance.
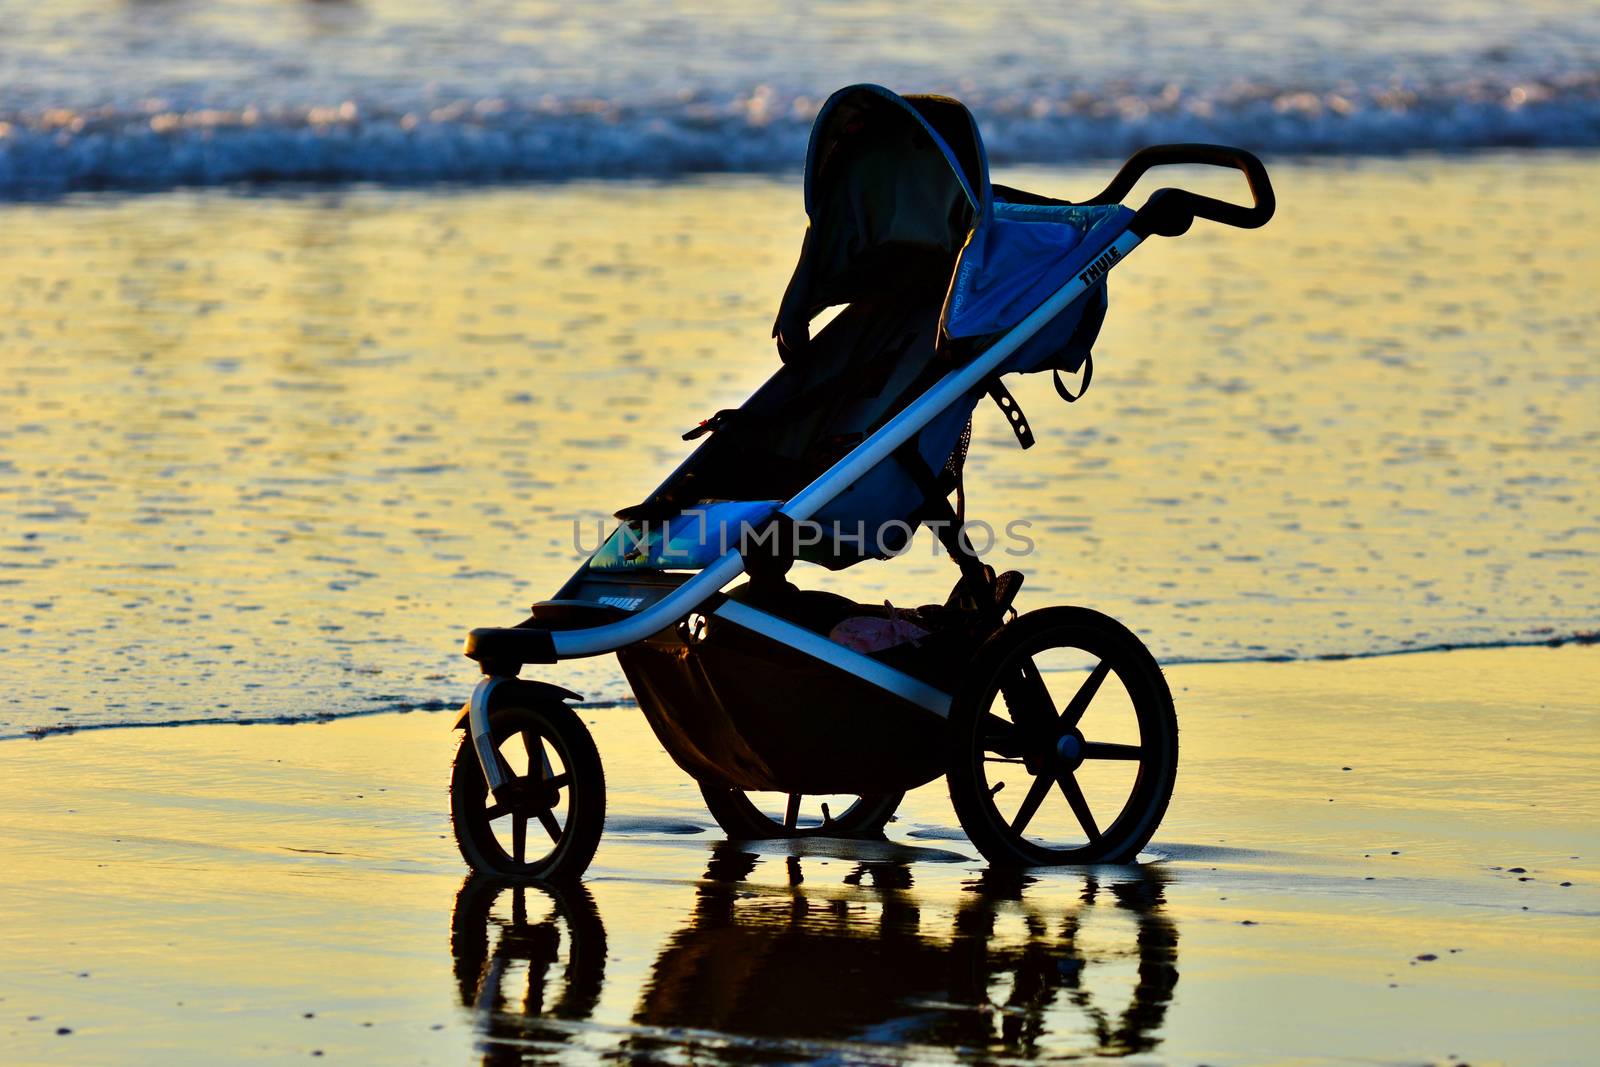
(626, 603)
(1097, 270)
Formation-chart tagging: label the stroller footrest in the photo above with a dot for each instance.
(504, 649)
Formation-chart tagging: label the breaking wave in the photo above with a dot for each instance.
(153, 145)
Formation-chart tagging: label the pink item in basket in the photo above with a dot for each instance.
(871, 633)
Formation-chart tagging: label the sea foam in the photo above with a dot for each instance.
(152, 145)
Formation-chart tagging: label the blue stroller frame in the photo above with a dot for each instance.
(949, 282)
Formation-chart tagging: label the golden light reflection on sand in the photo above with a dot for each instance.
(269, 457)
(264, 444)
(218, 883)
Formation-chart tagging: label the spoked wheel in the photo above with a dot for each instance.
(747, 816)
(549, 826)
(1064, 742)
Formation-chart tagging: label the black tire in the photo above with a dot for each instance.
(577, 791)
(742, 820)
(1001, 724)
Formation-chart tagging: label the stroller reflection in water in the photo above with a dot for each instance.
(800, 968)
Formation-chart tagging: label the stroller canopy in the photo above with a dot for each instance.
(932, 263)
(897, 184)
(893, 184)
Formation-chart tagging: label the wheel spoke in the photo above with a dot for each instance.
(1030, 803)
(496, 811)
(1107, 750)
(547, 819)
(1085, 693)
(538, 760)
(560, 781)
(791, 815)
(1080, 806)
(519, 836)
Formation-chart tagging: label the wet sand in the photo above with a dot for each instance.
(273, 474)
(1388, 860)
(295, 444)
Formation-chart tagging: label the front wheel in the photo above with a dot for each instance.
(548, 823)
(1063, 742)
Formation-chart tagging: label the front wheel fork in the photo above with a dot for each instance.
(497, 690)
(494, 772)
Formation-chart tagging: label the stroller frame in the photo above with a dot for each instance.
(599, 612)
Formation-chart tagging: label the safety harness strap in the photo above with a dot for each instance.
(1012, 411)
(1088, 375)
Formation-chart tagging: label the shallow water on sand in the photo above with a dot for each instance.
(1382, 861)
(270, 457)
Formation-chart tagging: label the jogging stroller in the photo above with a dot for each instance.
(947, 283)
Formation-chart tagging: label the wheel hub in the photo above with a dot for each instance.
(1069, 750)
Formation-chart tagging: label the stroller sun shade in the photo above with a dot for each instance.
(932, 263)
(887, 195)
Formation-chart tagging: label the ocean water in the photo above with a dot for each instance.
(303, 370)
(269, 457)
(97, 94)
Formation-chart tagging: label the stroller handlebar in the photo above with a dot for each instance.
(1170, 212)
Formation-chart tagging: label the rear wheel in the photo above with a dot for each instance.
(1064, 742)
(746, 816)
(549, 823)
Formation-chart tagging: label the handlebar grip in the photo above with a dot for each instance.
(1169, 212)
